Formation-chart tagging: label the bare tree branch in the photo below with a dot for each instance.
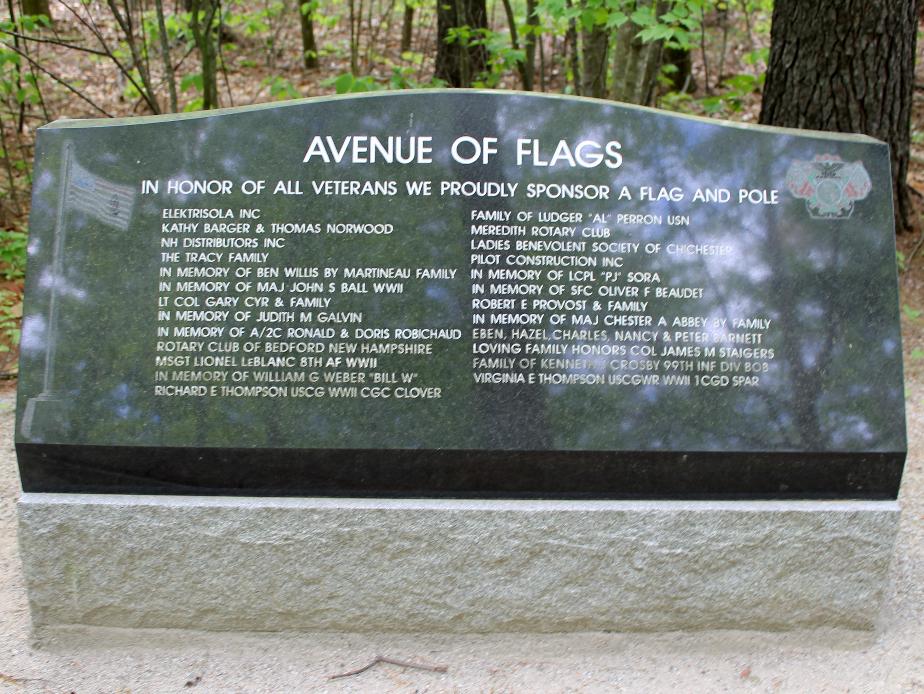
(55, 42)
(62, 82)
(169, 76)
(94, 29)
(221, 60)
(125, 22)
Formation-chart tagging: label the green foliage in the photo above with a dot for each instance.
(402, 77)
(258, 21)
(20, 95)
(759, 11)
(406, 76)
(13, 253)
(130, 91)
(347, 83)
(15, 83)
(328, 14)
(280, 88)
(678, 27)
(732, 99)
(502, 58)
(758, 57)
(682, 102)
(465, 35)
(12, 268)
(910, 313)
(177, 26)
(193, 82)
(675, 27)
(10, 319)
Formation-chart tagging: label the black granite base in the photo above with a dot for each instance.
(459, 473)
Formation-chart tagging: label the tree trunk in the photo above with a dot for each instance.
(595, 43)
(309, 47)
(636, 64)
(356, 22)
(202, 23)
(21, 118)
(407, 28)
(525, 78)
(34, 7)
(847, 66)
(169, 75)
(571, 49)
(126, 23)
(459, 62)
(529, 44)
(525, 67)
(681, 79)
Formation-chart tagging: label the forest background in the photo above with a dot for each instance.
(90, 58)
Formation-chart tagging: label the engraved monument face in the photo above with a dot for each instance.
(460, 293)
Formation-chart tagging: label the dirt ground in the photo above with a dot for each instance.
(79, 660)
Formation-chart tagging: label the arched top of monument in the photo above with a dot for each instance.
(453, 94)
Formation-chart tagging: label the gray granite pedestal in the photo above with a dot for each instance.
(453, 565)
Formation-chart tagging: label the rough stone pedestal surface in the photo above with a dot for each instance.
(453, 565)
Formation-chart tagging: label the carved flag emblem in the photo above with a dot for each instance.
(829, 185)
(101, 199)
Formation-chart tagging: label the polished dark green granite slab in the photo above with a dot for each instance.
(460, 293)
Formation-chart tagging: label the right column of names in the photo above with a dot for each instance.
(572, 298)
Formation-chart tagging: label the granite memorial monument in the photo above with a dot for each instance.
(466, 295)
